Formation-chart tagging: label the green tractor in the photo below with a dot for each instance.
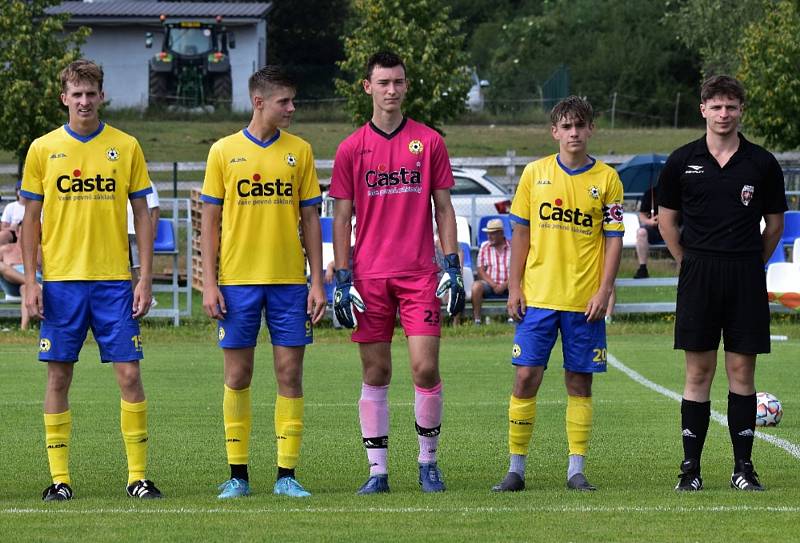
(193, 68)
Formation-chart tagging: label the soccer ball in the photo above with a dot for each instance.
(768, 409)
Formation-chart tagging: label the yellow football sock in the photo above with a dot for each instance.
(579, 424)
(57, 428)
(133, 423)
(237, 413)
(288, 430)
(521, 415)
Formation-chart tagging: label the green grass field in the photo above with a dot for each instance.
(634, 456)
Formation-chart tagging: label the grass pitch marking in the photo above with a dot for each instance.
(410, 510)
(613, 361)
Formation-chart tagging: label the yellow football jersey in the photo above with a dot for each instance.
(84, 183)
(568, 212)
(261, 186)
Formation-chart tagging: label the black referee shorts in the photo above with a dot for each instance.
(722, 297)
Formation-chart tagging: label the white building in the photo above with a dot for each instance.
(117, 41)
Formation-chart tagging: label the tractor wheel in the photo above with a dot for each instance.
(222, 91)
(158, 88)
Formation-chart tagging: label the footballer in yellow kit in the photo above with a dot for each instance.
(565, 252)
(261, 187)
(567, 212)
(78, 179)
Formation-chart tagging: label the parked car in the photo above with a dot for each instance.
(474, 184)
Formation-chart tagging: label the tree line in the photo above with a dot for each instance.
(645, 58)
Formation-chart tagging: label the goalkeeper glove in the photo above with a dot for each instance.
(453, 282)
(345, 298)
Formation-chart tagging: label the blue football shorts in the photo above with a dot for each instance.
(583, 343)
(72, 307)
(284, 307)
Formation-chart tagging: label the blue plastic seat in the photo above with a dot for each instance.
(326, 224)
(778, 255)
(467, 255)
(165, 237)
(791, 227)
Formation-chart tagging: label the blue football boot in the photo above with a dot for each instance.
(430, 478)
(234, 488)
(376, 484)
(288, 486)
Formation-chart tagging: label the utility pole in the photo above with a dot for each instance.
(613, 109)
(677, 103)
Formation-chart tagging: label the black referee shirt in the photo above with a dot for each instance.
(721, 208)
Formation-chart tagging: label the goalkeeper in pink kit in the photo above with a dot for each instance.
(386, 173)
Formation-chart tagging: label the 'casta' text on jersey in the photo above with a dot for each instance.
(375, 178)
(76, 183)
(550, 212)
(254, 187)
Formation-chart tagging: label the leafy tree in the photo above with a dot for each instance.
(714, 29)
(33, 50)
(429, 42)
(307, 41)
(770, 71)
(614, 46)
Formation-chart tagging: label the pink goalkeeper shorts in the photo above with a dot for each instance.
(414, 296)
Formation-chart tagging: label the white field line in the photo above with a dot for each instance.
(787, 446)
(409, 510)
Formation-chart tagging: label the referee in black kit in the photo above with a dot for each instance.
(721, 185)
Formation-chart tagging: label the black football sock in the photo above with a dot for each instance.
(695, 417)
(742, 424)
(239, 471)
(285, 472)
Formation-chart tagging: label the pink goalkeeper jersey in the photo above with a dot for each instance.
(390, 179)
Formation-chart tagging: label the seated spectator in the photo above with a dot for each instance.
(12, 276)
(648, 233)
(494, 259)
(11, 219)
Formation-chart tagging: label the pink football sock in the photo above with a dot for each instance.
(428, 412)
(373, 411)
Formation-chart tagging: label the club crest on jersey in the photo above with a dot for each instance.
(594, 192)
(290, 159)
(415, 146)
(112, 154)
(44, 345)
(613, 213)
(747, 194)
